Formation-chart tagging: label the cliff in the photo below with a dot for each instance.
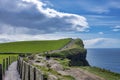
(74, 51)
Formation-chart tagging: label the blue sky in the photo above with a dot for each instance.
(96, 22)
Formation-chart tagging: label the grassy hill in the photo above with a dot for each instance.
(33, 46)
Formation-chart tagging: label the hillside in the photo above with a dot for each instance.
(33, 46)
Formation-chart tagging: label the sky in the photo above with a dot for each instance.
(97, 23)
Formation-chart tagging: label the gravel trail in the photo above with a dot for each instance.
(12, 73)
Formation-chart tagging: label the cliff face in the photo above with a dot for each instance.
(78, 59)
(75, 52)
(78, 54)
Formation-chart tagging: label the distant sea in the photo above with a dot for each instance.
(107, 58)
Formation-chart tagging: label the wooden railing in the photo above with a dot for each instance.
(28, 71)
(5, 64)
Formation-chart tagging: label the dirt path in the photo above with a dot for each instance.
(69, 44)
(65, 47)
(79, 74)
(12, 73)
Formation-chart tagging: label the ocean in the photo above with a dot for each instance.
(107, 58)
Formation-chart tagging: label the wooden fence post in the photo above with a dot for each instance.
(34, 73)
(21, 68)
(24, 70)
(1, 72)
(9, 60)
(6, 63)
(28, 71)
(18, 65)
(3, 66)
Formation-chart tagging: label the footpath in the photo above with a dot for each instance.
(12, 73)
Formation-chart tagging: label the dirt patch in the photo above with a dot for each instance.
(79, 74)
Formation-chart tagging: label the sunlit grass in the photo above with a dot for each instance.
(33, 46)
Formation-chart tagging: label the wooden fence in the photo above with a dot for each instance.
(26, 70)
(29, 72)
(5, 64)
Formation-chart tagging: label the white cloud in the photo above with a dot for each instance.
(78, 22)
(36, 15)
(32, 20)
(26, 37)
(102, 43)
(100, 9)
(48, 3)
(13, 30)
(116, 28)
(93, 42)
(100, 33)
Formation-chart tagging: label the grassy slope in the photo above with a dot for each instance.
(107, 75)
(33, 46)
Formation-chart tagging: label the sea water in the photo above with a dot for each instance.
(105, 58)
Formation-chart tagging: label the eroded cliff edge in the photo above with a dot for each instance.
(74, 51)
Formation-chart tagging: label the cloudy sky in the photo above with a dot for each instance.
(96, 22)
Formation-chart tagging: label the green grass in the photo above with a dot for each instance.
(68, 77)
(4, 56)
(78, 43)
(33, 46)
(64, 62)
(67, 53)
(107, 75)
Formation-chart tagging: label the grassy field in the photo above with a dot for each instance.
(4, 56)
(33, 46)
